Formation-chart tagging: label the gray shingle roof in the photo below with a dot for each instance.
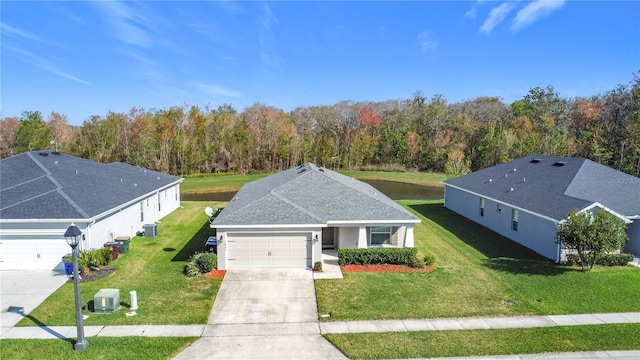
(553, 186)
(58, 186)
(307, 195)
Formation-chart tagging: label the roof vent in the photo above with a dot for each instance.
(511, 189)
(135, 185)
(514, 169)
(43, 154)
(559, 163)
(55, 152)
(77, 172)
(55, 162)
(302, 170)
(535, 161)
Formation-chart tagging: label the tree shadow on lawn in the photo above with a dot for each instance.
(196, 243)
(502, 254)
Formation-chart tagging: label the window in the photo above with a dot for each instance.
(158, 202)
(380, 235)
(514, 220)
(141, 211)
(481, 207)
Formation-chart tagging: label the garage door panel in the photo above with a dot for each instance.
(30, 254)
(268, 250)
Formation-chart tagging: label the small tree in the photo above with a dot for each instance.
(592, 234)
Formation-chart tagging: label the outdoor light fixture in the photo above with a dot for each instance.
(73, 235)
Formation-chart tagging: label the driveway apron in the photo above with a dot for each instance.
(264, 314)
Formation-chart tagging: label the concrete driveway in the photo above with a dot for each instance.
(264, 314)
(23, 291)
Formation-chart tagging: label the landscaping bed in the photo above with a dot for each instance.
(383, 268)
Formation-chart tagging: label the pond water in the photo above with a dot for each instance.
(393, 189)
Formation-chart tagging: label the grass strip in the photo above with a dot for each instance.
(428, 344)
(127, 348)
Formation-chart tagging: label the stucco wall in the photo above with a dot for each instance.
(534, 232)
(348, 237)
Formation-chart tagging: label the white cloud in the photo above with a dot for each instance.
(8, 29)
(426, 43)
(42, 63)
(534, 11)
(471, 13)
(126, 22)
(496, 16)
(268, 45)
(215, 89)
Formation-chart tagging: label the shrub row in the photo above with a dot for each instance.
(393, 256)
(602, 260)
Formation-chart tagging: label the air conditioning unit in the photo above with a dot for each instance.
(106, 301)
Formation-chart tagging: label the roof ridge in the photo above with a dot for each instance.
(58, 186)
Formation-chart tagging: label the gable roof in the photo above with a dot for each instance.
(310, 195)
(51, 185)
(553, 185)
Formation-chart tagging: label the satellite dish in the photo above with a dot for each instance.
(208, 211)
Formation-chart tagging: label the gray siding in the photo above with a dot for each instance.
(633, 231)
(534, 232)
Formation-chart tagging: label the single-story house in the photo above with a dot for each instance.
(525, 199)
(43, 192)
(286, 219)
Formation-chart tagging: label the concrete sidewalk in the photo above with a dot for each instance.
(313, 328)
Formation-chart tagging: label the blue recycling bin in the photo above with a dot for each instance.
(68, 269)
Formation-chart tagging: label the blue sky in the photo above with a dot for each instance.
(85, 58)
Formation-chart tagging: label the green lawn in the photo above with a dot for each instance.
(100, 348)
(487, 342)
(152, 267)
(233, 182)
(479, 273)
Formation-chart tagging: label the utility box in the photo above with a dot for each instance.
(106, 301)
(150, 230)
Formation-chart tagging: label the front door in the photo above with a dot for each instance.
(328, 238)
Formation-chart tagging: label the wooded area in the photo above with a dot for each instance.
(427, 134)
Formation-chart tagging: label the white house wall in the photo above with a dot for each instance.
(41, 241)
(534, 232)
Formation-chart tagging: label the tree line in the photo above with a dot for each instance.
(426, 134)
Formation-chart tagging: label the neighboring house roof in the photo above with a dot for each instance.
(553, 186)
(310, 195)
(51, 185)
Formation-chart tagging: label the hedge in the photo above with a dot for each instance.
(393, 256)
(602, 260)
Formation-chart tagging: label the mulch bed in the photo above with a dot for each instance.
(384, 268)
(215, 274)
(96, 274)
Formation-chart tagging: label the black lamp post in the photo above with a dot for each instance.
(73, 235)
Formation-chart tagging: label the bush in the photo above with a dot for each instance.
(602, 260)
(191, 270)
(429, 258)
(392, 256)
(317, 266)
(206, 261)
(201, 263)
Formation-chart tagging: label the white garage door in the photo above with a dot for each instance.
(41, 254)
(268, 250)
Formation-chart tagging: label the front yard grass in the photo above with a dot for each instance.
(480, 273)
(100, 348)
(153, 268)
(487, 342)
